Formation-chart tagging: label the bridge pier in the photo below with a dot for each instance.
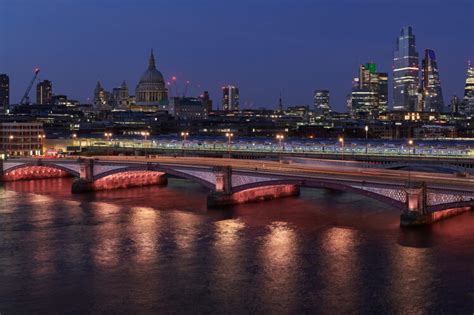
(417, 213)
(224, 196)
(86, 177)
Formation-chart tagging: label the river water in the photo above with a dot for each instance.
(159, 250)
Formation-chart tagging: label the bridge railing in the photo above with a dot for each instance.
(287, 148)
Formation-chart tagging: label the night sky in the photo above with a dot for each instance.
(264, 47)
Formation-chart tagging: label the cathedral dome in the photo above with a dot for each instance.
(151, 89)
(152, 75)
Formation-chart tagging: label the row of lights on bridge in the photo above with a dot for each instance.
(229, 136)
(185, 134)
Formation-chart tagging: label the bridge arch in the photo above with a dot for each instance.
(399, 204)
(157, 168)
(451, 205)
(33, 166)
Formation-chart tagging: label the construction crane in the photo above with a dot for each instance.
(25, 100)
(186, 89)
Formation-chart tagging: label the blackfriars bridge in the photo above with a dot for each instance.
(421, 197)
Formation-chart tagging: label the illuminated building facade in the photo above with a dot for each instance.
(405, 72)
(44, 92)
(230, 98)
(206, 103)
(186, 108)
(21, 138)
(432, 96)
(455, 105)
(321, 102)
(468, 101)
(369, 92)
(4, 92)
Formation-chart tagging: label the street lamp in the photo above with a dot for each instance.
(108, 135)
(280, 139)
(341, 140)
(144, 134)
(41, 138)
(184, 134)
(229, 135)
(410, 143)
(10, 138)
(366, 138)
(74, 137)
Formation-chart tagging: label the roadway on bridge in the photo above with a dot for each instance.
(313, 171)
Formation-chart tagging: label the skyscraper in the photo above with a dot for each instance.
(454, 105)
(321, 102)
(4, 92)
(468, 101)
(432, 96)
(369, 92)
(230, 98)
(405, 72)
(44, 92)
(206, 103)
(382, 88)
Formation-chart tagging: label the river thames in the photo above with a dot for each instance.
(158, 249)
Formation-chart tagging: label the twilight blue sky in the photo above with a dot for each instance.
(263, 46)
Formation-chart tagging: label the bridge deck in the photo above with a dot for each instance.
(342, 173)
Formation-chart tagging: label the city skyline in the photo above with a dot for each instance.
(292, 55)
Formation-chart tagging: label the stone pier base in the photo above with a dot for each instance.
(413, 218)
(122, 180)
(217, 199)
(80, 186)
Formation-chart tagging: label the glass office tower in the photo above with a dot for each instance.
(230, 98)
(432, 95)
(321, 102)
(468, 101)
(369, 92)
(405, 72)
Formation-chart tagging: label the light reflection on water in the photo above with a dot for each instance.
(413, 279)
(228, 262)
(143, 230)
(135, 251)
(107, 235)
(341, 274)
(280, 266)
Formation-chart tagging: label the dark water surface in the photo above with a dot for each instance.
(157, 249)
